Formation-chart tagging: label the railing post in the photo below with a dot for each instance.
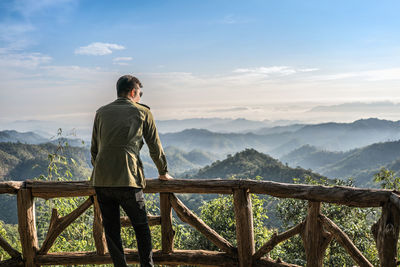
(167, 233)
(244, 226)
(98, 231)
(315, 238)
(386, 234)
(27, 226)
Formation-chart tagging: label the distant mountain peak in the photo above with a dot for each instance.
(21, 137)
(249, 164)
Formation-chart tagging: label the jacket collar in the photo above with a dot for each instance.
(124, 99)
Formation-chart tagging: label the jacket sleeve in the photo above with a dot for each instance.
(94, 144)
(152, 139)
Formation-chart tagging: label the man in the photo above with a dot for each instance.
(118, 132)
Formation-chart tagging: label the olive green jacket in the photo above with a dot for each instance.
(118, 132)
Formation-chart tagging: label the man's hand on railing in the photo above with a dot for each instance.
(165, 177)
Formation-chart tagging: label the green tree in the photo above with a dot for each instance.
(9, 232)
(355, 222)
(387, 179)
(78, 235)
(219, 215)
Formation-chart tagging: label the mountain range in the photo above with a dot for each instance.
(26, 137)
(224, 136)
(278, 141)
(198, 153)
(360, 164)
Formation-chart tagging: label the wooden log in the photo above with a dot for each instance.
(189, 217)
(98, 230)
(178, 257)
(315, 238)
(345, 241)
(358, 197)
(167, 232)
(264, 262)
(52, 189)
(58, 224)
(10, 187)
(244, 226)
(182, 257)
(276, 239)
(153, 220)
(27, 226)
(9, 249)
(350, 196)
(202, 186)
(13, 262)
(395, 199)
(386, 234)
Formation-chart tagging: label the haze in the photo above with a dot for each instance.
(309, 61)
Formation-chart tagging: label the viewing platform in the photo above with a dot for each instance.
(316, 231)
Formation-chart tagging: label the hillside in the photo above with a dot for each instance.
(25, 161)
(15, 137)
(19, 162)
(345, 136)
(221, 142)
(311, 157)
(361, 163)
(179, 161)
(249, 164)
(278, 141)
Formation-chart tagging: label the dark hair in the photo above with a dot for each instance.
(127, 83)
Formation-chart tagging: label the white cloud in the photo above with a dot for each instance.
(121, 60)
(369, 75)
(23, 60)
(98, 49)
(55, 88)
(277, 70)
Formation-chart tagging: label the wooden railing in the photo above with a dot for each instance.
(316, 230)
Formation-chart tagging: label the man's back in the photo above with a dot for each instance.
(118, 133)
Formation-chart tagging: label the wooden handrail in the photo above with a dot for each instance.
(350, 196)
(316, 231)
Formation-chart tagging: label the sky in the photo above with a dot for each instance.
(311, 61)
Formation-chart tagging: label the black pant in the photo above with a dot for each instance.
(132, 201)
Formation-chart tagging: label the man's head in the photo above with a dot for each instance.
(129, 86)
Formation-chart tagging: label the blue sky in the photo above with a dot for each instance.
(60, 59)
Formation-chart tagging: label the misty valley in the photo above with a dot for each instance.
(349, 154)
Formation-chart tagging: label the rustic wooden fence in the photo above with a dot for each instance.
(316, 230)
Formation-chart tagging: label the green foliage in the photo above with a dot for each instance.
(24, 161)
(9, 232)
(219, 215)
(78, 235)
(355, 222)
(63, 164)
(387, 179)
